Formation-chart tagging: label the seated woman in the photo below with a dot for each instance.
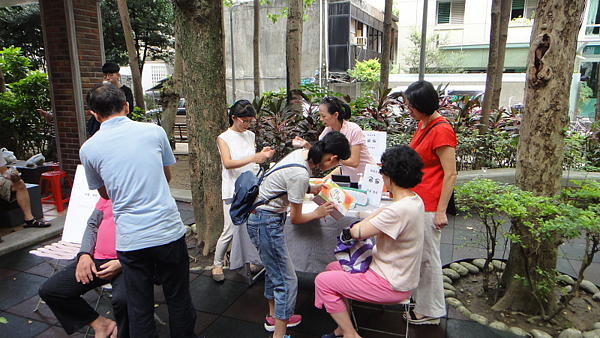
(96, 265)
(394, 270)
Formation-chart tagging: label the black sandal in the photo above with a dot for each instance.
(35, 223)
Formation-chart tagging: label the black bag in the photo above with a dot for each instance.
(246, 189)
(451, 208)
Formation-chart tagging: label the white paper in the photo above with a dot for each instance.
(376, 142)
(373, 184)
(81, 205)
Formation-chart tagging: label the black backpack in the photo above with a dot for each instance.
(246, 189)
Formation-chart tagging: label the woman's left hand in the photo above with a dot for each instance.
(440, 220)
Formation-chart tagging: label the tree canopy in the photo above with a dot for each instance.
(152, 24)
(21, 26)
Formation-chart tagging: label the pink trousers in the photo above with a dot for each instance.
(334, 285)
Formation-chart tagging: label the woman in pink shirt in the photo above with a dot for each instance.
(96, 265)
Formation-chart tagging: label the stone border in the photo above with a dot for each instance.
(456, 270)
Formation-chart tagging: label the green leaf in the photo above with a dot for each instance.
(3, 320)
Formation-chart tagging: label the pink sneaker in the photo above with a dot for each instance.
(294, 320)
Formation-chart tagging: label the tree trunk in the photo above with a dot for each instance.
(170, 95)
(384, 74)
(492, 68)
(3, 84)
(293, 48)
(256, 49)
(541, 142)
(138, 92)
(502, 36)
(201, 37)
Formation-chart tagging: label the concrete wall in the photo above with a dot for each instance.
(272, 48)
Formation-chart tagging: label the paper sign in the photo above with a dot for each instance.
(373, 184)
(81, 205)
(376, 142)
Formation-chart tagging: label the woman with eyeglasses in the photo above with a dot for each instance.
(335, 114)
(238, 154)
(435, 142)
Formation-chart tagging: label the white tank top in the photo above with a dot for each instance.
(241, 145)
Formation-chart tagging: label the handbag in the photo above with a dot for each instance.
(354, 256)
(451, 208)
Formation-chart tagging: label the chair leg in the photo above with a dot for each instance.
(157, 318)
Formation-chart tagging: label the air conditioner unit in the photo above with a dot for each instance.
(360, 41)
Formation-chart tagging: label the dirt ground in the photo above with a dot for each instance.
(581, 313)
(181, 173)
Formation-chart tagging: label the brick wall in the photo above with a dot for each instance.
(73, 67)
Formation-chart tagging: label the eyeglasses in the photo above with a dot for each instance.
(246, 122)
(409, 106)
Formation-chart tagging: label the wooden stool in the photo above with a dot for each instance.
(53, 177)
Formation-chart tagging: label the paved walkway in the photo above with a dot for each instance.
(234, 309)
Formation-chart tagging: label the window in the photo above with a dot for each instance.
(450, 12)
(523, 9)
(593, 19)
(158, 73)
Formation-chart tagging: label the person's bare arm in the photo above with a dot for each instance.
(297, 217)
(354, 158)
(168, 173)
(447, 157)
(259, 157)
(103, 193)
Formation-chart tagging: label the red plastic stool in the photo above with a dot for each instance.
(53, 177)
(53, 166)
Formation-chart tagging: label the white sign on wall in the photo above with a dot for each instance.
(373, 184)
(81, 205)
(376, 142)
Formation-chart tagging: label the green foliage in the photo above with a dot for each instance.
(585, 94)
(152, 25)
(23, 128)
(437, 60)
(284, 11)
(14, 65)
(21, 26)
(367, 71)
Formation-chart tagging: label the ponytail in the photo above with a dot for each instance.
(334, 105)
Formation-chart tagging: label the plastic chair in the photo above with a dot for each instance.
(53, 166)
(54, 177)
(379, 307)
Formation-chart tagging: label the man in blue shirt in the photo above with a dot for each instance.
(130, 164)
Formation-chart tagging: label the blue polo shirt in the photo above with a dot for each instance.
(129, 158)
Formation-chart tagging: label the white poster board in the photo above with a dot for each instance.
(376, 142)
(82, 203)
(373, 184)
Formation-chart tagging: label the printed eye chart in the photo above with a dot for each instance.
(82, 203)
(373, 184)
(376, 142)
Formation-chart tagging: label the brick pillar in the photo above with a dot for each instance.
(74, 53)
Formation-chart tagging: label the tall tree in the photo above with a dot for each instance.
(541, 142)
(21, 26)
(387, 39)
(502, 36)
(152, 25)
(256, 49)
(201, 37)
(492, 68)
(170, 95)
(293, 48)
(138, 91)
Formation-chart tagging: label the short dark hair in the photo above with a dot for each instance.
(106, 99)
(110, 67)
(241, 108)
(335, 104)
(403, 165)
(423, 97)
(334, 143)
